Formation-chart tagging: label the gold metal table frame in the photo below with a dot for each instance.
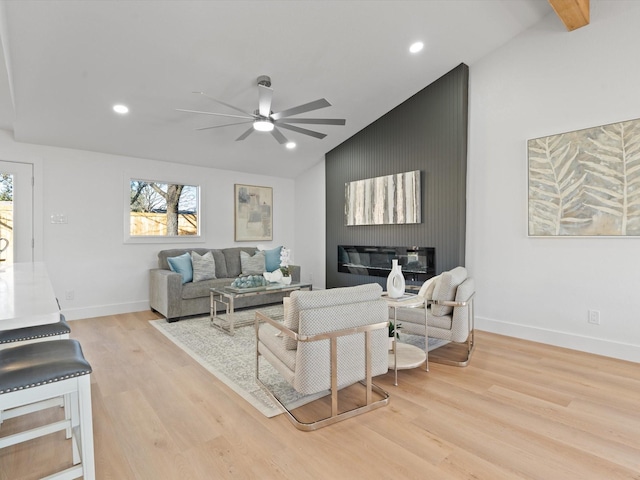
(408, 352)
(227, 295)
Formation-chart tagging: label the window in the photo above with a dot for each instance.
(163, 211)
(6, 217)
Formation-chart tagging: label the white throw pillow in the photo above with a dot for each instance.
(426, 290)
(445, 290)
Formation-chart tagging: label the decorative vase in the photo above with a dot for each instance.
(273, 277)
(286, 280)
(395, 280)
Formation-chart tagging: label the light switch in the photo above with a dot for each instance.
(58, 218)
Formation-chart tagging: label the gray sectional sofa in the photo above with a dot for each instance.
(175, 300)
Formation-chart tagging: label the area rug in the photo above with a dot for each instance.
(232, 358)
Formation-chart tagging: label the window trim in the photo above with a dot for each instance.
(137, 239)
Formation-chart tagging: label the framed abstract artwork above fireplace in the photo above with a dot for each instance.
(388, 200)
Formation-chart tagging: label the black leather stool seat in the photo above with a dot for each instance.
(35, 364)
(35, 332)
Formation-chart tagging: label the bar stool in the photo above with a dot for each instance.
(36, 333)
(38, 372)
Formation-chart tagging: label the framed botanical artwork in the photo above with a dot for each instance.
(253, 213)
(586, 183)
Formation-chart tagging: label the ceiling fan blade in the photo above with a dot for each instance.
(316, 121)
(245, 134)
(212, 113)
(277, 134)
(226, 104)
(307, 107)
(265, 94)
(302, 130)
(225, 125)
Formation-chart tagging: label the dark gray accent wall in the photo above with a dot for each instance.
(427, 132)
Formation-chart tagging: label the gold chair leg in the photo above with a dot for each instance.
(315, 425)
(448, 359)
(335, 417)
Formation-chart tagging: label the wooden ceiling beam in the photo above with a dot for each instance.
(573, 13)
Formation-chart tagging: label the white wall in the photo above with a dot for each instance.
(548, 81)
(310, 220)
(88, 255)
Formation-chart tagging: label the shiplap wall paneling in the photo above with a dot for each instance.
(427, 132)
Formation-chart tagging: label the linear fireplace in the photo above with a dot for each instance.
(418, 263)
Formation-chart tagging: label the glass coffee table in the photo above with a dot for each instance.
(227, 296)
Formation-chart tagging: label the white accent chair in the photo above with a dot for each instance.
(329, 340)
(449, 302)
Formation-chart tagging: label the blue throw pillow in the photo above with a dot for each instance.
(182, 265)
(272, 259)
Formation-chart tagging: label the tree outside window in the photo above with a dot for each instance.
(163, 209)
(6, 216)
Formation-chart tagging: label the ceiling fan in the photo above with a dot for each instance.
(264, 120)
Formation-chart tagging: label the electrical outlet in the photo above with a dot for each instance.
(594, 317)
(69, 295)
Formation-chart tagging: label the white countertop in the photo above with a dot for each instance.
(26, 296)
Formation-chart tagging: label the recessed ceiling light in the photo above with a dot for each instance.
(122, 109)
(290, 145)
(416, 47)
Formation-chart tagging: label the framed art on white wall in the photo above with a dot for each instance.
(586, 182)
(253, 213)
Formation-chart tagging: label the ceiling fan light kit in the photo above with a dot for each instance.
(264, 120)
(263, 125)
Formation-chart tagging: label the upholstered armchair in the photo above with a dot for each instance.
(329, 340)
(449, 302)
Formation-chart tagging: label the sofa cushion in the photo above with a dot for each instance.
(204, 267)
(221, 263)
(252, 265)
(175, 252)
(445, 289)
(182, 265)
(232, 258)
(202, 289)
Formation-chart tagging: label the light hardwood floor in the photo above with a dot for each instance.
(520, 410)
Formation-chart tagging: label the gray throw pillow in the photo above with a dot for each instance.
(204, 267)
(252, 265)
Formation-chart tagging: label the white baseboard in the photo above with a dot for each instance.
(104, 310)
(598, 346)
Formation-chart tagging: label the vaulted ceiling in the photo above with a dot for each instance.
(66, 63)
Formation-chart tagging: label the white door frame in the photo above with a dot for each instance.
(23, 213)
